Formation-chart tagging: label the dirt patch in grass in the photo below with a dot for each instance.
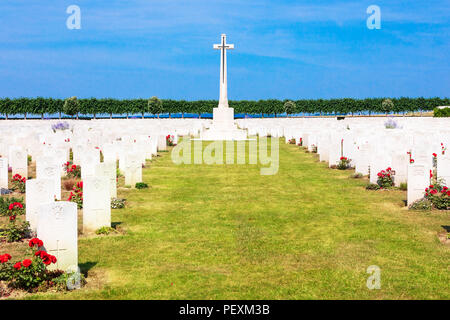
(444, 238)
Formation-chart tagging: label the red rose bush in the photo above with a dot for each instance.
(72, 170)
(29, 273)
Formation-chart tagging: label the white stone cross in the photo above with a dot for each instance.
(223, 47)
(56, 252)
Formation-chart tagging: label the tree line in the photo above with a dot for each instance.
(74, 106)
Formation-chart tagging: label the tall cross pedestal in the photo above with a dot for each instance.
(223, 127)
(223, 47)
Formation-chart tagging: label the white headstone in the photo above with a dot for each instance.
(4, 173)
(108, 169)
(49, 170)
(58, 228)
(162, 144)
(400, 164)
(38, 192)
(19, 161)
(418, 181)
(96, 203)
(443, 169)
(133, 170)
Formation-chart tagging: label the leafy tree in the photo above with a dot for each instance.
(71, 106)
(155, 106)
(387, 105)
(289, 107)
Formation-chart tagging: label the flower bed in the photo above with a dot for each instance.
(14, 203)
(170, 140)
(343, 163)
(18, 183)
(72, 170)
(77, 195)
(439, 196)
(31, 273)
(386, 178)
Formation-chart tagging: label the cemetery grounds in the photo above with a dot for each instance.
(226, 232)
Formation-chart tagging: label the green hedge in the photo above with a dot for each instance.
(113, 106)
(442, 112)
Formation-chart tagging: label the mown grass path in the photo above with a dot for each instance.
(226, 232)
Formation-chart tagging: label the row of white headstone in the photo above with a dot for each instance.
(371, 146)
(56, 222)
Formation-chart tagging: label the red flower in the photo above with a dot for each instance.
(17, 266)
(11, 206)
(35, 241)
(5, 258)
(431, 174)
(26, 263)
(434, 155)
(12, 218)
(448, 193)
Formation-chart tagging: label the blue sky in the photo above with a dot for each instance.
(283, 49)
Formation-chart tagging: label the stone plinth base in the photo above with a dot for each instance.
(223, 127)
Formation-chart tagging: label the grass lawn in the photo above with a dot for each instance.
(227, 232)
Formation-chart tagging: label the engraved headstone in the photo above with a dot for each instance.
(4, 173)
(133, 170)
(57, 227)
(418, 180)
(108, 169)
(96, 203)
(38, 192)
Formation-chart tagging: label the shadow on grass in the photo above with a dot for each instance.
(115, 224)
(85, 267)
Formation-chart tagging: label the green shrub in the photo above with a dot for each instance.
(403, 186)
(5, 203)
(141, 185)
(385, 178)
(105, 230)
(117, 203)
(445, 112)
(439, 195)
(16, 231)
(75, 279)
(343, 164)
(372, 186)
(357, 175)
(421, 204)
